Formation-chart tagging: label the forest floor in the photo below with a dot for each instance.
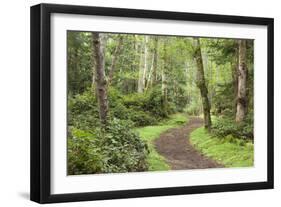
(174, 145)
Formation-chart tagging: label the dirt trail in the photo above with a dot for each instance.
(174, 145)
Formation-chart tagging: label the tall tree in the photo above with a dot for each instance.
(152, 76)
(136, 61)
(164, 76)
(234, 68)
(100, 81)
(149, 76)
(143, 66)
(155, 57)
(242, 82)
(201, 83)
(114, 58)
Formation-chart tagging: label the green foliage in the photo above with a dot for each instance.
(229, 151)
(180, 101)
(155, 105)
(82, 102)
(224, 100)
(117, 149)
(79, 62)
(146, 108)
(125, 150)
(192, 108)
(117, 108)
(135, 100)
(83, 153)
(223, 127)
(135, 107)
(141, 118)
(83, 111)
(91, 150)
(221, 50)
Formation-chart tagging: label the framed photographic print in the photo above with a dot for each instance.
(132, 103)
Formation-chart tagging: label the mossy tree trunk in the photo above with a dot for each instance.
(100, 80)
(242, 83)
(201, 84)
(164, 78)
(155, 57)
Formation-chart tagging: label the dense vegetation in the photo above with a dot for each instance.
(123, 89)
(229, 151)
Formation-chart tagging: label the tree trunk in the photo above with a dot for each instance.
(76, 69)
(140, 83)
(201, 84)
(145, 61)
(242, 82)
(114, 59)
(149, 77)
(155, 56)
(143, 67)
(235, 76)
(164, 79)
(100, 80)
(136, 62)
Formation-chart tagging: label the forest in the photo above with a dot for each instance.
(150, 103)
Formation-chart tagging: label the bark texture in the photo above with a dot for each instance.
(242, 83)
(100, 81)
(201, 84)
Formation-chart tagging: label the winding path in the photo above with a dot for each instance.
(175, 146)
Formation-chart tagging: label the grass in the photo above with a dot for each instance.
(229, 151)
(150, 133)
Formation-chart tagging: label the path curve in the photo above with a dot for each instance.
(175, 146)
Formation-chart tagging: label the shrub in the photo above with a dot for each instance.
(193, 108)
(125, 150)
(83, 111)
(83, 102)
(141, 109)
(223, 127)
(120, 111)
(141, 118)
(136, 101)
(154, 104)
(83, 154)
(117, 149)
(150, 102)
(172, 108)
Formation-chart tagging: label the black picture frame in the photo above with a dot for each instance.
(41, 97)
